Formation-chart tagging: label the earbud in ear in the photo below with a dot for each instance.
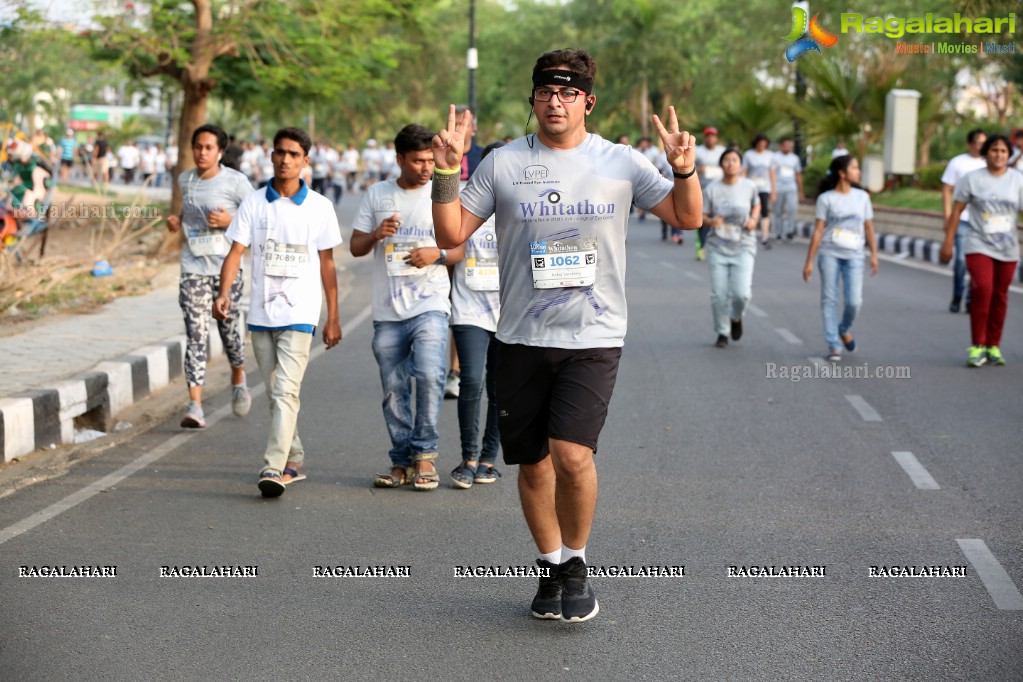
(531, 100)
(589, 106)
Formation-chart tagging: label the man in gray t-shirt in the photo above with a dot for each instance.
(561, 201)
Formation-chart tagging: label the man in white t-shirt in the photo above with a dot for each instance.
(411, 306)
(128, 158)
(292, 232)
(561, 201)
(708, 167)
(958, 167)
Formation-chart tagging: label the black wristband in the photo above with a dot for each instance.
(684, 176)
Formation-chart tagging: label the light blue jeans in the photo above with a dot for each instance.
(850, 272)
(785, 212)
(731, 287)
(414, 348)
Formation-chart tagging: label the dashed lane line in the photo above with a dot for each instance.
(789, 336)
(868, 413)
(756, 310)
(921, 478)
(996, 581)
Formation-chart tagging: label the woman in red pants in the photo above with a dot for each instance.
(995, 197)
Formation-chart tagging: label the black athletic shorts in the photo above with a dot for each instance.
(765, 204)
(552, 393)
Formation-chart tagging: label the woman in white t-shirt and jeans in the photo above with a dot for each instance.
(845, 224)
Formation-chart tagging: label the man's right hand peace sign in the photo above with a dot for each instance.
(449, 144)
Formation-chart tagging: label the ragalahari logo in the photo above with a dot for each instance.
(807, 37)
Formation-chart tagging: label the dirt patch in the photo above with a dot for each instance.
(56, 274)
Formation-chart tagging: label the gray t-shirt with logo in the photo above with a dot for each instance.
(995, 202)
(787, 166)
(844, 216)
(563, 211)
(400, 291)
(199, 196)
(733, 203)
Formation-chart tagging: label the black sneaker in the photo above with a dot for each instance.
(722, 341)
(736, 329)
(578, 603)
(547, 602)
(953, 307)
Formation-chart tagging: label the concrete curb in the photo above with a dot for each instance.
(927, 250)
(47, 416)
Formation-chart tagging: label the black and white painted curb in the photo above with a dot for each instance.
(927, 250)
(48, 416)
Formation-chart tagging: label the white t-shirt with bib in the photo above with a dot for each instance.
(844, 216)
(286, 235)
(956, 169)
(475, 289)
(562, 218)
(402, 291)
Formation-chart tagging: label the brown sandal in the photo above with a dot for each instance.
(398, 477)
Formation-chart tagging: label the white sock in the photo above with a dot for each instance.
(568, 553)
(553, 557)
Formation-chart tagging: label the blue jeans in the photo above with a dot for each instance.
(959, 263)
(850, 270)
(417, 347)
(785, 212)
(731, 287)
(477, 352)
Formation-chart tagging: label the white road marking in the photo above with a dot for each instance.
(642, 255)
(868, 413)
(789, 336)
(997, 582)
(921, 478)
(668, 264)
(169, 445)
(693, 276)
(756, 310)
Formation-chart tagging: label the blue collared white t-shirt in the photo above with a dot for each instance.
(401, 293)
(297, 228)
(844, 216)
(545, 198)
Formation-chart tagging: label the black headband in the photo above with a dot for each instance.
(561, 77)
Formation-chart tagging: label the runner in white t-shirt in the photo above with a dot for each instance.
(955, 170)
(561, 200)
(758, 164)
(411, 306)
(292, 232)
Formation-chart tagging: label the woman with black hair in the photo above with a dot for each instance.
(845, 223)
(759, 165)
(731, 207)
(210, 196)
(995, 199)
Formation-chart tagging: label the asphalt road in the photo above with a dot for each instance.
(705, 462)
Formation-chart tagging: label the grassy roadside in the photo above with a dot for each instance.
(910, 198)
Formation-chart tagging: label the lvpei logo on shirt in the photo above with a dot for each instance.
(806, 37)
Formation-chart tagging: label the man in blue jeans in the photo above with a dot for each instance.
(956, 169)
(411, 307)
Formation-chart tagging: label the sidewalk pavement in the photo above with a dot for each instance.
(81, 370)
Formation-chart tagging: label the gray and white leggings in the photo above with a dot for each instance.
(196, 295)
